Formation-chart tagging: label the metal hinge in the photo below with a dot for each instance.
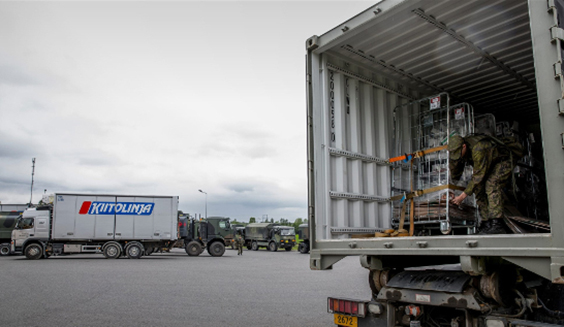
(557, 33)
(560, 107)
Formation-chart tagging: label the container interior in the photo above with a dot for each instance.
(478, 54)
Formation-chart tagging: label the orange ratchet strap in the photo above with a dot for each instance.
(418, 154)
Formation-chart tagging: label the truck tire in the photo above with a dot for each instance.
(303, 248)
(216, 249)
(193, 249)
(288, 249)
(112, 250)
(134, 250)
(272, 246)
(33, 251)
(4, 249)
(254, 246)
(249, 246)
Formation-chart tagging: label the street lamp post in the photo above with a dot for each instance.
(206, 201)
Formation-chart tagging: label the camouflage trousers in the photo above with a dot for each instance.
(489, 194)
(239, 247)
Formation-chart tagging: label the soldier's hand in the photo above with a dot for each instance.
(458, 200)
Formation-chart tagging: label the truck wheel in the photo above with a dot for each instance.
(4, 249)
(254, 246)
(249, 246)
(193, 249)
(272, 247)
(112, 250)
(33, 251)
(134, 250)
(216, 249)
(288, 249)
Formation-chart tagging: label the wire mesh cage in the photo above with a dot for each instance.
(421, 182)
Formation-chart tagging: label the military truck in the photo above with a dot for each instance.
(113, 225)
(303, 234)
(363, 78)
(204, 234)
(269, 235)
(9, 214)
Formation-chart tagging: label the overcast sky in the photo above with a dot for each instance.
(160, 98)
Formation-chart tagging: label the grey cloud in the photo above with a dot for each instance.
(14, 148)
(14, 75)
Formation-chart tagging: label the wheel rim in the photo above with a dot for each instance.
(112, 250)
(33, 251)
(134, 251)
(4, 250)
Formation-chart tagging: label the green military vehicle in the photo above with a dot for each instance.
(303, 234)
(269, 235)
(9, 214)
(222, 227)
(203, 234)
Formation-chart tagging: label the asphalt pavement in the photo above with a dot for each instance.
(260, 288)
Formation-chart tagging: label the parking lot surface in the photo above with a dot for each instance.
(260, 288)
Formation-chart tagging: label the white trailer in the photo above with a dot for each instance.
(113, 225)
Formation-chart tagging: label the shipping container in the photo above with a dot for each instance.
(502, 59)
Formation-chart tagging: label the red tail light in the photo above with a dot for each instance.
(345, 306)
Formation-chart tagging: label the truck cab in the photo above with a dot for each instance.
(285, 237)
(32, 226)
(206, 234)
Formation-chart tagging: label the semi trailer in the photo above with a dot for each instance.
(113, 225)
(269, 235)
(374, 84)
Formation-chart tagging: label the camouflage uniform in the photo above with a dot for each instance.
(492, 168)
(239, 242)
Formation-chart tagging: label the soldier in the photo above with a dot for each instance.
(492, 167)
(239, 242)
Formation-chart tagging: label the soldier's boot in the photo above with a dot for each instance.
(496, 226)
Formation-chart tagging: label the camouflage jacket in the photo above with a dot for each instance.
(239, 239)
(482, 154)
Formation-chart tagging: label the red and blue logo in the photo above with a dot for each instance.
(116, 208)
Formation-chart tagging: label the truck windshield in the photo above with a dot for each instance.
(287, 231)
(24, 223)
(224, 224)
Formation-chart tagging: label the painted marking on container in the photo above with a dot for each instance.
(116, 208)
(423, 298)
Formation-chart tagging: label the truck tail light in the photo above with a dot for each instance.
(346, 306)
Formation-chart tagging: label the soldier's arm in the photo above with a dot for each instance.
(481, 155)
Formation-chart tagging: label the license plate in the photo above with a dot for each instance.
(348, 321)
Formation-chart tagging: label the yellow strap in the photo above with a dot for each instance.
(417, 193)
(418, 154)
